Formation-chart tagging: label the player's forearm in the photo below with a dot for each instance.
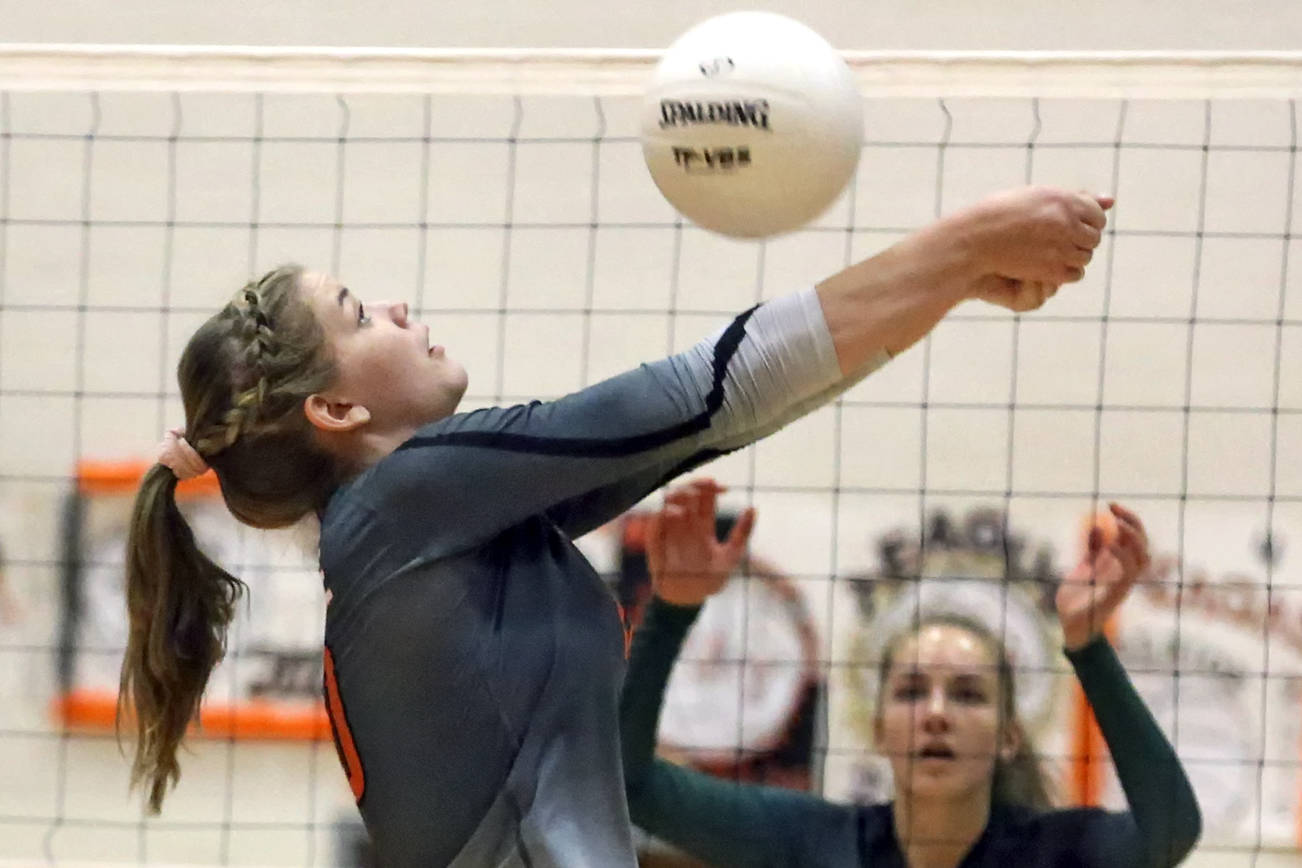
(711, 818)
(892, 300)
(655, 648)
(1161, 799)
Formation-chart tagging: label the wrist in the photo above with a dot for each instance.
(1075, 640)
(954, 247)
(680, 601)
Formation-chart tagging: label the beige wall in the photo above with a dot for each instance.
(859, 24)
(815, 484)
(827, 488)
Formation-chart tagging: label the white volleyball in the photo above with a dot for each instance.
(753, 124)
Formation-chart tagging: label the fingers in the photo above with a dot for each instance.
(739, 537)
(1130, 537)
(1043, 292)
(1019, 295)
(1094, 541)
(701, 499)
(1085, 236)
(1127, 556)
(678, 502)
(700, 484)
(678, 511)
(1108, 586)
(696, 499)
(1117, 560)
(1129, 518)
(701, 487)
(692, 507)
(1132, 540)
(1129, 521)
(707, 497)
(673, 512)
(1092, 210)
(1111, 593)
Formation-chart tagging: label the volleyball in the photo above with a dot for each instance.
(752, 125)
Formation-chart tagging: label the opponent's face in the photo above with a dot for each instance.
(385, 360)
(939, 721)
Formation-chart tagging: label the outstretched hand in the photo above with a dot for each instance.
(1033, 240)
(687, 561)
(1091, 592)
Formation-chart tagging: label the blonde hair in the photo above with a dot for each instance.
(244, 376)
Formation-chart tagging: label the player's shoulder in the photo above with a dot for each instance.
(819, 832)
(867, 830)
(1022, 817)
(1075, 830)
(392, 473)
(875, 819)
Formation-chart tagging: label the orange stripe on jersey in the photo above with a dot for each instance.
(343, 736)
(626, 622)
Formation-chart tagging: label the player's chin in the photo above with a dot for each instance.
(939, 781)
(455, 382)
(441, 388)
(459, 377)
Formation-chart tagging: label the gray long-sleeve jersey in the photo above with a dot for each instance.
(474, 658)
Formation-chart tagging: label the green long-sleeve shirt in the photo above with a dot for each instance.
(729, 824)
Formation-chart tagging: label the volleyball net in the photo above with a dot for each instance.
(503, 194)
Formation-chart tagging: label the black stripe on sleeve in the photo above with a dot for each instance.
(595, 447)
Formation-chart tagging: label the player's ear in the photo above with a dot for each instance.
(1010, 740)
(334, 416)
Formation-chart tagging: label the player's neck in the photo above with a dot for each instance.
(939, 832)
(361, 449)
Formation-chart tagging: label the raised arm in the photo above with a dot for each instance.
(1164, 821)
(1013, 250)
(724, 823)
(590, 454)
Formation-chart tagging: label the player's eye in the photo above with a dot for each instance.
(970, 695)
(910, 691)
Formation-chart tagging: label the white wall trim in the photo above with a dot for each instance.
(1048, 74)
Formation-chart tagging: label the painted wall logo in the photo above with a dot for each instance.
(708, 160)
(753, 113)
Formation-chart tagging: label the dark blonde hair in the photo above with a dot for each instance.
(244, 376)
(1019, 780)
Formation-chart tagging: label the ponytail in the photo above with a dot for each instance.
(179, 604)
(244, 375)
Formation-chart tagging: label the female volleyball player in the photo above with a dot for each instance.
(473, 658)
(969, 791)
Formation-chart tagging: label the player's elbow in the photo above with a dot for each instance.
(637, 765)
(1172, 848)
(1187, 834)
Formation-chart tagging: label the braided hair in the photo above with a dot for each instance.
(244, 377)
